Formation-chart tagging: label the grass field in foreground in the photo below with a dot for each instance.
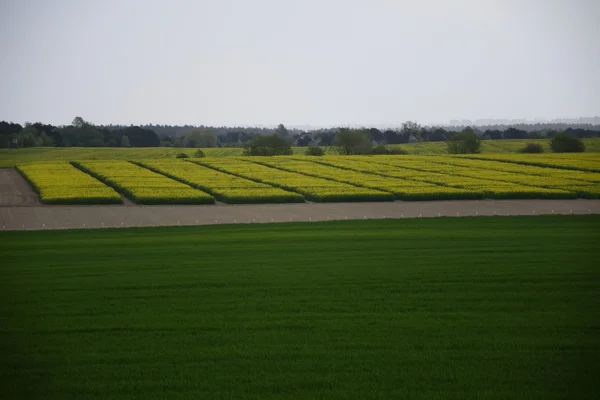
(473, 308)
(10, 157)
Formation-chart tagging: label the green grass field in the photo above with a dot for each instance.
(470, 308)
(10, 157)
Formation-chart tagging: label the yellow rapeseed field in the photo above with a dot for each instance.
(142, 185)
(313, 188)
(225, 187)
(61, 183)
(322, 179)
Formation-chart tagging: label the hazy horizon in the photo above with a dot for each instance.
(300, 63)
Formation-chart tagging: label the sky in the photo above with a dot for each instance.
(305, 62)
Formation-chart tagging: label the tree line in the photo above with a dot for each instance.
(85, 134)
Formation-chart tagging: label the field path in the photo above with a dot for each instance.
(69, 217)
(15, 191)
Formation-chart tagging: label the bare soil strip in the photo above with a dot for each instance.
(117, 216)
(15, 191)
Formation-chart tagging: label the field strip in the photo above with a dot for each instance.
(478, 164)
(521, 169)
(590, 161)
(477, 187)
(61, 183)
(588, 186)
(403, 189)
(225, 187)
(106, 216)
(312, 188)
(142, 185)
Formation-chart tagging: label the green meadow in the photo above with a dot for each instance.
(10, 157)
(445, 308)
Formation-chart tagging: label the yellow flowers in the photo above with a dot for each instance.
(321, 179)
(142, 185)
(576, 161)
(313, 188)
(225, 187)
(437, 177)
(340, 172)
(61, 183)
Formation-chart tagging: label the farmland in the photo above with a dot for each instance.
(238, 180)
(424, 308)
(142, 185)
(225, 187)
(313, 188)
(61, 183)
(11, 157)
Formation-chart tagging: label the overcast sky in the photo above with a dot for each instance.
(305, 62)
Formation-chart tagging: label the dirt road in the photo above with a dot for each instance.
(15, 191)
(68, 217)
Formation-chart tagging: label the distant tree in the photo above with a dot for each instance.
(534, 135)
(563, 143)
(513, 133)
(494, 134)
(326, 138)
(45, 140)
(78, 122)
(209, 139)
(411, 129)
(352, 141)
(234, 137)
(81, 133)
(438, 135)
(125, 141)
(376, 135)
(268, 145)
(304, 140)
(282, 131)
(9, 128)
(139, 137)
(182, 155)
(200, 138)
(314, 151)
(465, 142)
(391, 137)
(5, 141)
(27, 137)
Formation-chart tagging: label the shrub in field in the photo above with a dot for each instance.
(532, 148)
(199, 154)
(563, 143)
(182, 155)
(380, 150)
(396, 151)
(384, 150)
(314, 151)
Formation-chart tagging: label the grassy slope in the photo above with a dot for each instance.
(9, 157)
(503, 308)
